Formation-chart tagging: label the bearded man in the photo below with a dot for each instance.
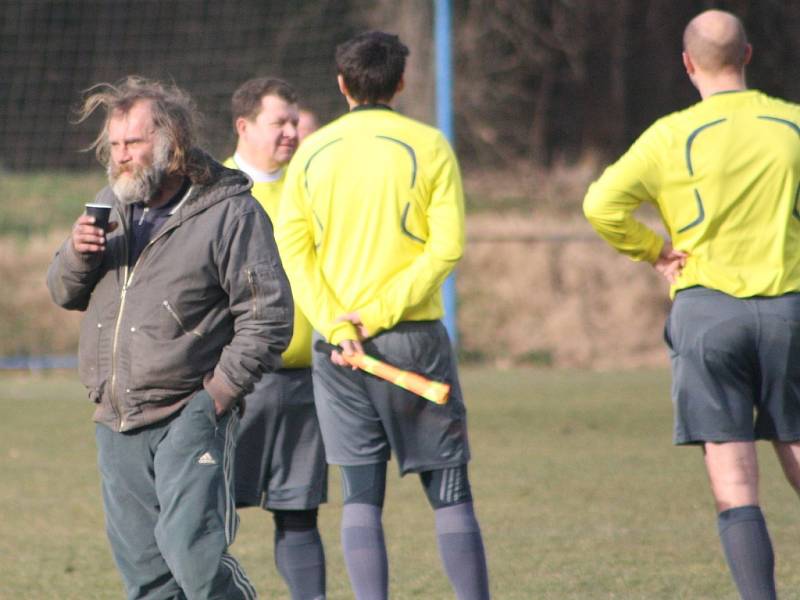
(187, 305)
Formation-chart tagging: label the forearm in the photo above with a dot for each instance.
(609, 207)
(627, 235)
(260, 302)
(409, 288)
(311, 292)
(255, 349)
(71, 277)
(624, 186)
(317, 300)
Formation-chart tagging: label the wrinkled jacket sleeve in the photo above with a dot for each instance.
(260, 301)
(72, 277)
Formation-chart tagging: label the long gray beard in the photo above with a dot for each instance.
(143, 183)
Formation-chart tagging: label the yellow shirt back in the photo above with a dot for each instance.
(725, 177)
(371, 220)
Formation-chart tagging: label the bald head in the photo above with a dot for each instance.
(715, 40)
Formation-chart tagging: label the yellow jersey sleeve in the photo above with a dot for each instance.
(612, 200)
(295, 238)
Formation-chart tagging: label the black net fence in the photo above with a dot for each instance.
(51, 50)
(537, 82)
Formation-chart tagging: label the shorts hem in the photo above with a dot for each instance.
(246, 501)
(433, 467)
(403, 471)
(778, 437)
(273, 506)
(697, 440)
(339, 462)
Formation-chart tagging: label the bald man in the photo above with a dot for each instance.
(725, 176)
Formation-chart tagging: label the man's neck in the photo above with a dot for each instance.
(708, 86)
(355, 104)
(254, 172)
(172, 184)
(257, 160)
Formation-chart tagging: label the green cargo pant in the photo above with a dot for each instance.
(170, 517)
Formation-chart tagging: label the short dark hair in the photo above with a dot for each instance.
(246, 100)
(372, 65)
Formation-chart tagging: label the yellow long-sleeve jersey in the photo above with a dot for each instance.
(725, 177)
(298, 354)
(371, 220)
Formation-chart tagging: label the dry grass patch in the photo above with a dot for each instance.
(554, 294)
(30, 323)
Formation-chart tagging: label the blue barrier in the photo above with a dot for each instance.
(38, 363)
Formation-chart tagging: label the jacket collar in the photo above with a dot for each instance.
(203, 192)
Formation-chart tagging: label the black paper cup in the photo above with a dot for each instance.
(100, 212)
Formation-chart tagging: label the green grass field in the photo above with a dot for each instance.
(579, 492)
(34, 203)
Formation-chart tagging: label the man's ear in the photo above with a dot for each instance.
(688, 64)
(748, 54)
(400, 85)
(342, 85)
(241, 125)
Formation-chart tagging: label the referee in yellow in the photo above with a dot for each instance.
(371, 222)
(725, 177)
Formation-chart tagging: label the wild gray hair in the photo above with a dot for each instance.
(173, 111)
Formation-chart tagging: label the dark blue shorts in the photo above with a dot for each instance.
(280, 460)
(365, 419)
(735, 366)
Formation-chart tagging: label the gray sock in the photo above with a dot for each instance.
(748, 549)
(300, 559)
(461, 548)
(365, 551)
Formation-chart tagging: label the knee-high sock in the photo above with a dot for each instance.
(461, 548)
(744, 536)
(300, 559)
(365, 551)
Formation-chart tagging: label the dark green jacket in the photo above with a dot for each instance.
(206, 304)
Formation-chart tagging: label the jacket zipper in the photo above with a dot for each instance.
(252, 281)
(112, 393)
(126, 283)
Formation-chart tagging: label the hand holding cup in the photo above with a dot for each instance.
(89, 231)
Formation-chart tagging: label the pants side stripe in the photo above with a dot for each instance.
(227, 468)
(238, 576)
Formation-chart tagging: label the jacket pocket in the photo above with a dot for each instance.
(163, 351)
(195, 428)
(178, 320)
(265, 289)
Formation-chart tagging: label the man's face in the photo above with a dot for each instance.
(139, 156)
(272, 135)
